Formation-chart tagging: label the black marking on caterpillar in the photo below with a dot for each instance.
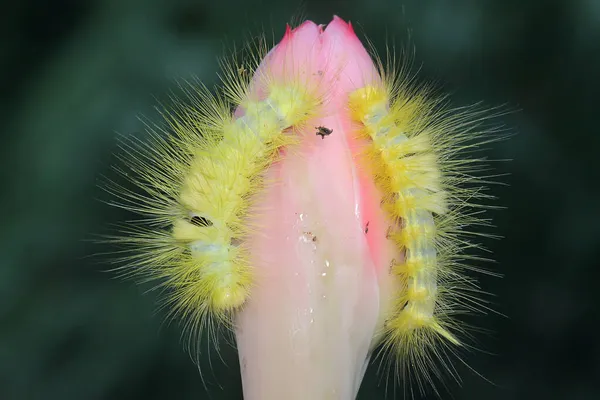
(200, 221)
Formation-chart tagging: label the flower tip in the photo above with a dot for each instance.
(338, 24)
(288, 32)
(337, 18)
(351, 28)
(307, 25)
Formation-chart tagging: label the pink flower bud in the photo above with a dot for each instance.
(320, 256)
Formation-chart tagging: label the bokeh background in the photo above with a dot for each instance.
(75, 72)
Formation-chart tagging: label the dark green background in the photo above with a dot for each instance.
(74, 72)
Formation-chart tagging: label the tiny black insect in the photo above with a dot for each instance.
(322, 131)
(367, 227)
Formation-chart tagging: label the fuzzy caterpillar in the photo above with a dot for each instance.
(427, 189)
(407, 171)
(215, 191)
(197, 186)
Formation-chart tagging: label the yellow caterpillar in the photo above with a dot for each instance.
(418, 156)
(197, 186)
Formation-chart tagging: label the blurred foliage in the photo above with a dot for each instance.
(75, 72)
